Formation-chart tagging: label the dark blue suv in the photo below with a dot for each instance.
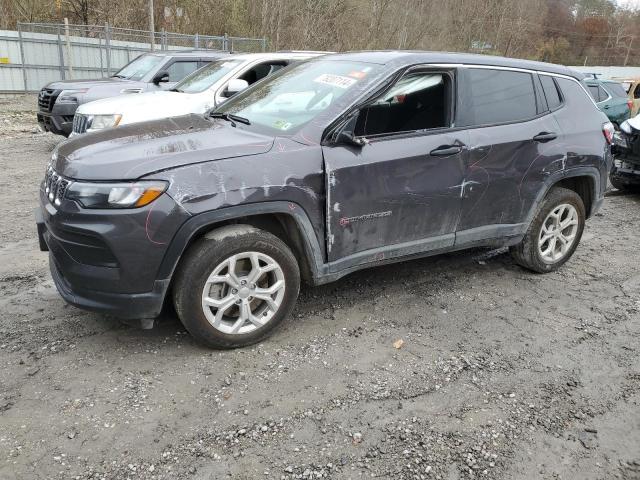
(340, 163)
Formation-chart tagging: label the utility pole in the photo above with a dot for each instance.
(626, 58)
(152, 26)
(69, 59)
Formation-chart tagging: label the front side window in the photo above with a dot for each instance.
(291, 98)
(598, 93)
(207, 76)
(496, 96)
(178, 70)
(636, 92)
(139, 67)
(418, 101)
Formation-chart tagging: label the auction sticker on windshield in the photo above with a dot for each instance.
(335, 80)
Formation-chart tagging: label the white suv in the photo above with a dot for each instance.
(197, 93)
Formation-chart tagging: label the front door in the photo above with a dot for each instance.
(400, 192)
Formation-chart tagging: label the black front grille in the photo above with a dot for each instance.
(46, 99)
(55, 186)
(81, 123)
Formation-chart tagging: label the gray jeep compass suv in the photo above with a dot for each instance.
(330, 166)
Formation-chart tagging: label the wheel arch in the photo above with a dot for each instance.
(286, 220)
(585, 181)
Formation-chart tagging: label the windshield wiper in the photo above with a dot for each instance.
(230, 117)
(118, 76)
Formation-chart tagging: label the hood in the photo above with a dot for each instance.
(99, 88)
(147, 106)
(140, 149)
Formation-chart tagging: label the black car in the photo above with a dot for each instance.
(58, 101)
(340, 163)
(625, 174)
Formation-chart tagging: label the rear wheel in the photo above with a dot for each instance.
(554, 233)
(235, 286)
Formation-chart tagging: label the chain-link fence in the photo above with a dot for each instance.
(38, 53)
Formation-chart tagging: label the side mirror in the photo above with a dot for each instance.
(234, 86)
(346, 137)
(161, 77)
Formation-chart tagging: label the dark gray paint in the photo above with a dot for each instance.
(484, 195)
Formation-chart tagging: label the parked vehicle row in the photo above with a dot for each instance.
(325, 167)
(58, 101)
(197, 93)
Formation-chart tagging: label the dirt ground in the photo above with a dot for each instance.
(503, 374)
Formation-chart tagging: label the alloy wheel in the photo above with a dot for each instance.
(558, 233)
(243, 293)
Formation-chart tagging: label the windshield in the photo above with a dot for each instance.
(286, 102)
(139, 67)
(204, 78)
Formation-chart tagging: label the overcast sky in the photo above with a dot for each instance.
(629, 3)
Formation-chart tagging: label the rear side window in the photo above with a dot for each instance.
(598, 93)
(496, 96)
(551, 92)
(616, 89)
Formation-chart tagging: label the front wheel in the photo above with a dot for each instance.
(554, 233)
(235, 285)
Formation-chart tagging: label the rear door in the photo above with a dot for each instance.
(510, 133)
(400, 192)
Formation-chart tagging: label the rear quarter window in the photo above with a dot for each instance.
(496, 96)
(554, 100)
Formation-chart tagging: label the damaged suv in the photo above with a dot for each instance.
(340, 163)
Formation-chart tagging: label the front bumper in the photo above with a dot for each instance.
(107, 261)
(59, 119)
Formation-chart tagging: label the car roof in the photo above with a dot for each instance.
(190, 53)
(274, 55)
(400, 58)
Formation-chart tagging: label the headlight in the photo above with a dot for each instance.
(115, 195)
(70, 96)
(98, 122)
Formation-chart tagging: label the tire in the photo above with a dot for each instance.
(529, 252)
(622, 185)
(205, 284)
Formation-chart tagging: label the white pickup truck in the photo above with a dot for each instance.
(199, 92)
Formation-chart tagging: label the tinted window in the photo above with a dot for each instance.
(550, 92)
(497, 96)
(178, 70)
(636, 92)
(417, 102)
(616, 89)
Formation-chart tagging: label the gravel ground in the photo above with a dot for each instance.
(502, 374)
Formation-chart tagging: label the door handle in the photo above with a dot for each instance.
(446, 150)
(545, 137)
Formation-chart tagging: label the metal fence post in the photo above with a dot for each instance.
(196, 41)
(61, 56)
(24, 68)
(107, 44)
(264, 44)
(225, 42)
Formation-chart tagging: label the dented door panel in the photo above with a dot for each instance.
(502, 161)
(391, 191)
